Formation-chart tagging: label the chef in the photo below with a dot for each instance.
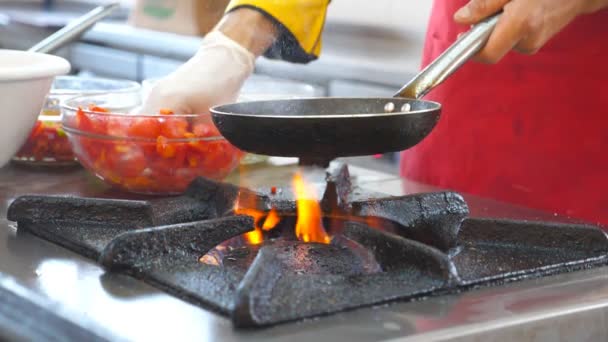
(527, 125)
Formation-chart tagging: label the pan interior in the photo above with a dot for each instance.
(325, 107)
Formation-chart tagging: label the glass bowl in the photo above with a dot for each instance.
(156, 154)
(47, 143)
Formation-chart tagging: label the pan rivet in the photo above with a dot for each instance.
(389, 107)
(406, 107)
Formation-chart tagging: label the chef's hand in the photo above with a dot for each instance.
(218, 70)
(525, 25)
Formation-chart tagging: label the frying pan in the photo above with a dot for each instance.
(317, 130)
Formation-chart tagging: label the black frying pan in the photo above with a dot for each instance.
(317, 130)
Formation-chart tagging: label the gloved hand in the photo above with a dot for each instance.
(212, 77)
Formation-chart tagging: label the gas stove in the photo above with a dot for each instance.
(411, 246)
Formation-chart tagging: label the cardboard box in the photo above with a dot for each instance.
(187, 17)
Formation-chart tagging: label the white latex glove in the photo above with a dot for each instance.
(212, 77)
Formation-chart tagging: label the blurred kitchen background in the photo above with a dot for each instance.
(370, 47)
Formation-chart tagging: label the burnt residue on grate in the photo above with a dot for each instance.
(433, 218)
(498, 249)
(139, 250)
(191, 246)
(273, 290)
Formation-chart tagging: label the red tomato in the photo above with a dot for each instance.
(162, 166)
(118, 126)
(144, 127)
(90, 124)
(46, 142)
(205, 130)
(97, 109)
(174, 128)
(179, 160)
(126, 160)
(164, 148)
(212, 156)
(149, 149)
(38, 129)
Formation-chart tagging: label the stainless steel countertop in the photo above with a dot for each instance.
(563, 307)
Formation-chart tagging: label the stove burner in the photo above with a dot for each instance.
(419, 245)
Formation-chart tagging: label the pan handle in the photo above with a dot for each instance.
(450, 60)
(73, 30)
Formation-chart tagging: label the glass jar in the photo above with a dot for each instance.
(47, 144)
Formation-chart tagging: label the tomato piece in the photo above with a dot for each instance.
(118, 126)
(149, 149)
(193, 160)
(164, 148)
(41, 148)
(179, 161)
(212, 154)
(37, 130)
(199, 147)
(83, 122)
(174, 128)
(126, 160)
(61, 149)
(47, 141)
(90, 124)
(205, 130)
(165, 111)
(144, 127)
(94, 108)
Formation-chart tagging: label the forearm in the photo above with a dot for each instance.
(250, 28)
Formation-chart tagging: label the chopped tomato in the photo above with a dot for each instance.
(94, 108)
(164, 148)
(165, 111)
(90, 124)
(174, 128)
(47, 142)
(144, 127)
(157, 163)
(126, 160)
(117, 126)
(204, 130)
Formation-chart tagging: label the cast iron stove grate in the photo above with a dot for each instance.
(189, 247)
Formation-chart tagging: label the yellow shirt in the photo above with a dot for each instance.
(300, 24)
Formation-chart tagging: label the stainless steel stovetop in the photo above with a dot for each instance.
(571, 306)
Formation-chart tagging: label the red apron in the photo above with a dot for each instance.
(531, 130)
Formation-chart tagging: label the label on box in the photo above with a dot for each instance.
(159, 9)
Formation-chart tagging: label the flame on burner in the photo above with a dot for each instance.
(309, 226)
(271, 220)
(261, 221)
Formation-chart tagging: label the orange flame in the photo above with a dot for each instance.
(309, 226)
(271, 220)
(256, 236)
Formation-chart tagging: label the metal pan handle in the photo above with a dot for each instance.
(467, 46)
(73, 30)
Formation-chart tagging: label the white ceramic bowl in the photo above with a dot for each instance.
(25, 80)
